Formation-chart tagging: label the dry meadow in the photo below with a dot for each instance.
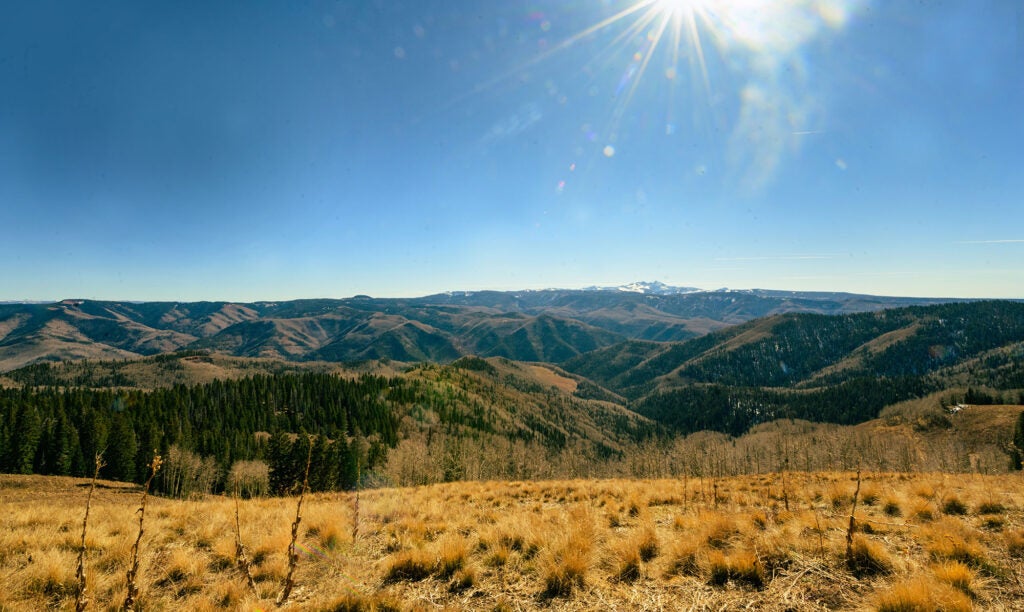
(760, 542)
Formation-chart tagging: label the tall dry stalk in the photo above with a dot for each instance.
(821, 534)
(240, 557)
(785, 492)
(293, 557)
(850, 561)
(355, 507)
(81, 595)
(133, 571)
(686, 486)
(785, 468)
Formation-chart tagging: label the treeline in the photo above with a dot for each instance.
(797, 350)
(801, 345)
(86, 374)
(734, 410)
(349, 421)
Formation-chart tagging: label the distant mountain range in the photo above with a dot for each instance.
(548, 325)
(820, 357)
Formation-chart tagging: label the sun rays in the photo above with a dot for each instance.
(727, 72)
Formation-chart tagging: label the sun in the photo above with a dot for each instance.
(673, 8)
(733, 63)
(671, 29)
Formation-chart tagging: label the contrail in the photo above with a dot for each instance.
(775, 258)
(1014, 241)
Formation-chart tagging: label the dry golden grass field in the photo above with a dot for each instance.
(922, 542)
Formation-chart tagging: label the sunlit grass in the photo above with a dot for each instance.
(537, 545)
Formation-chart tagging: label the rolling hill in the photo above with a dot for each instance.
(841, 369)
(550, 325)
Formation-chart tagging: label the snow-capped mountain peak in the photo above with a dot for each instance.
(647, 288)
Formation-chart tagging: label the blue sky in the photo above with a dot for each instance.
(276, 150)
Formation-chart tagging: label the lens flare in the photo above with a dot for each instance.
(746, 80)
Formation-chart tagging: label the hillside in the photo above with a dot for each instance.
(609, 411)
(841, 369)
(550, 325)
(769, 541)
(427, 422)
(826, 368)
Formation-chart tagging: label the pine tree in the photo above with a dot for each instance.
(323, 473)
(348, 464)
(297, 461)
(25, 436)
(93, 435)
(63, 442)
(279, 461)
(121, 450)
(149, 439)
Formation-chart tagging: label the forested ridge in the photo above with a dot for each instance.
(549, 325)
(842, 369)
(49, 430)
(838, 369)
(351, 422)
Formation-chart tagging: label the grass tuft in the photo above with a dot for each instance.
(868, 557)
(742, 568)
(682, 559)
(869, 496)
(463, 580)
(892, 507)
(922, 511)
(409, 565)
(565, 572)
(921, 595)
(991, 507)
(745, 568)
(953, 506)
(719, 531)
(626, 560)
(957, 575)
(357, 602)
(452, 552)
(953, 542)
(1015, 544)
(647, 543)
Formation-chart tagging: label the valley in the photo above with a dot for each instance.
(550, 325)
(601, 469)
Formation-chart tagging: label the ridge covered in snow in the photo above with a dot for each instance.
(648, 288)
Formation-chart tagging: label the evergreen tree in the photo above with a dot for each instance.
(149, 443)
(323, 473)
(121, 450)
(62, 448)
(348, 464)
(279, 462)
(93, 436)
(24, 439)
(297, 461)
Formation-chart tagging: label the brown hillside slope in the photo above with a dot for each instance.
(567, 545)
